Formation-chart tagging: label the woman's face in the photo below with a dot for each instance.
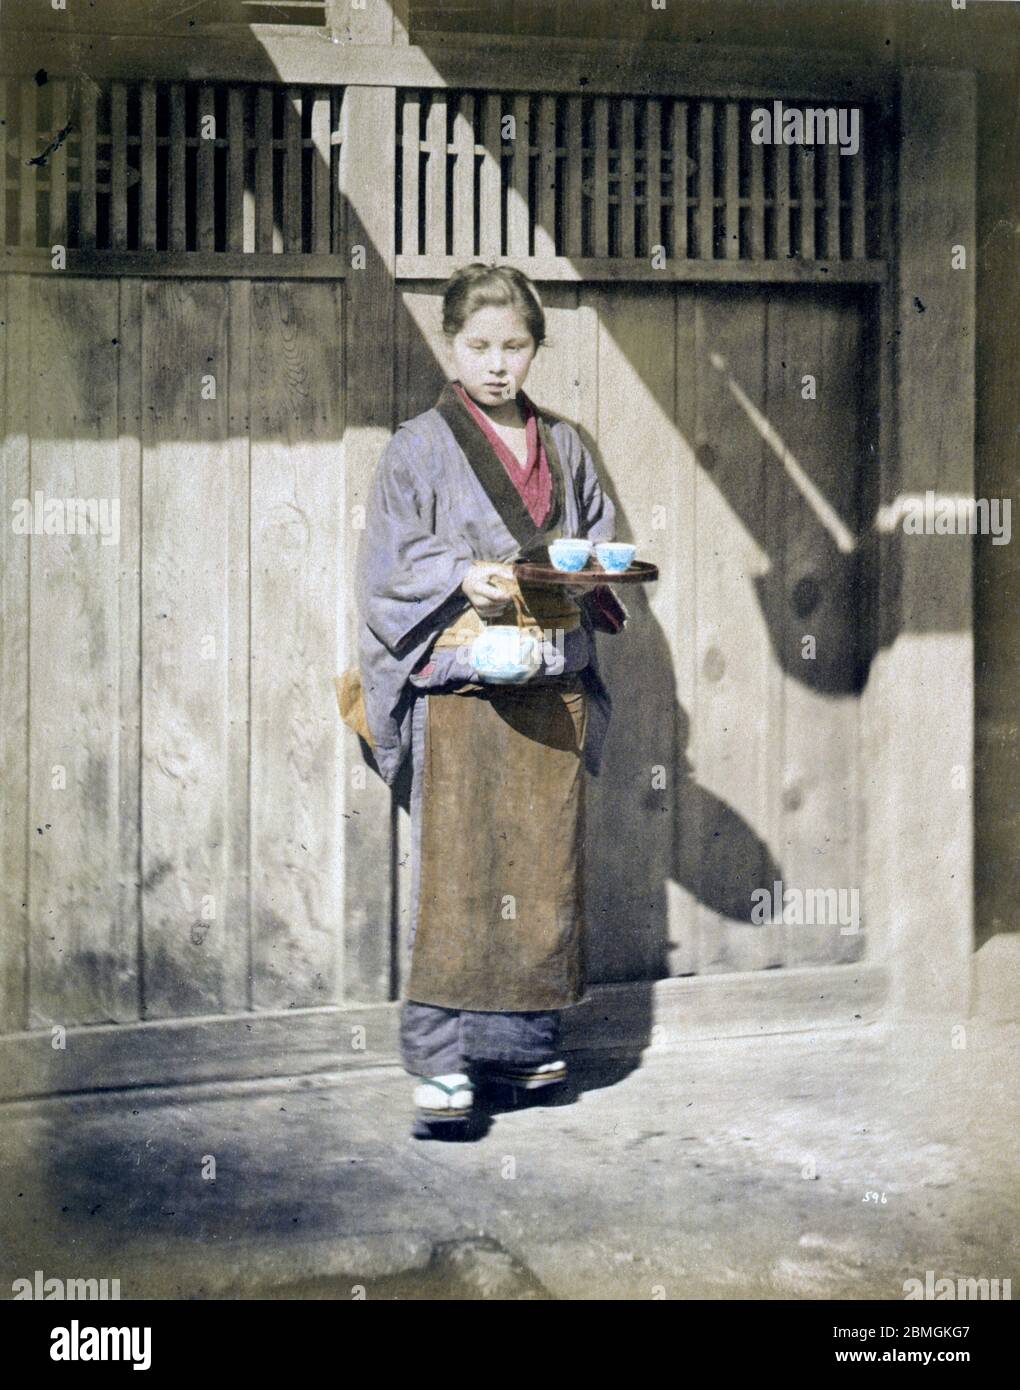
(492, 354)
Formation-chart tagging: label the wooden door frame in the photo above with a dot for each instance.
(919, 813)
(920, 902)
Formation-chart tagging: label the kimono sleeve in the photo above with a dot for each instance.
(597, 512)
(408, 574)
(597, 516)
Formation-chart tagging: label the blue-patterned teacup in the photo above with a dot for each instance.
(503, 655)
(569, 555)
(615, 556)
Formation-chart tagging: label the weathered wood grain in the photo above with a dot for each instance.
(464, 176)
(27, 180)
(320, 191)
(340, 241)
(489, 62)
(15, 485)
(238, 238)
(265, 231)
(732, 727)
(731, 182)
(205, 182)
(418, 350)
(679, 548)
(178, 181)
(832, 158)
(781, 169)
(147, 168)
(807, 162)
(706, 181)
(545, 209)
(118, 166)
(572, 206)
(634, 807)
(653, 177)
(929, 819)
(57, 164)
(756, 198)
(858, 222)
(186, 622)
(130, 638)
(175, 265)
(80, 969)
(87, 167)
(435, 175)
(6, 115)
(625, 182)
(410, 157)
(679, 179)
(292, 104)
(599, 200)
(367, 349)
(518, 200)
(297, 544)
(490, 213)
(816, 809)
(240, 988)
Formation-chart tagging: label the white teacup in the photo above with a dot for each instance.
(569, 554)
(615, 556)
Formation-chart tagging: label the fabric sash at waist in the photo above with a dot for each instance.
(536, 605)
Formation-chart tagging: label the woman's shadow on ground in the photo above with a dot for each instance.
(651, 827)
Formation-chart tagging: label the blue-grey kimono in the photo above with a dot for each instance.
(441, 502)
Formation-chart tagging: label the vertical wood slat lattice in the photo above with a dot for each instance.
(169, 166)
(534, 174)
(704, 208)
(463, 173)
(147, 213)
(678, 201)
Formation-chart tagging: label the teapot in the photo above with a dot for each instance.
(507, 654)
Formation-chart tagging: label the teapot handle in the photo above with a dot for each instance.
(522, 618)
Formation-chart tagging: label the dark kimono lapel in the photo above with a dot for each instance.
(494, 479)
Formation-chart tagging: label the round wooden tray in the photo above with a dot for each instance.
(640, 572)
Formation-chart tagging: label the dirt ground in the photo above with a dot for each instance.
(833, 1164)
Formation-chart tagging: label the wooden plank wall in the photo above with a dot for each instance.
(190, 963)
(733, 760)
(921, 837)
(74, 831)
(169, 714)
(14, 591)
(209, 852)
(296, 592)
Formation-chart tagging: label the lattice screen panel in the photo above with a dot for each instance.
(597, 177)
(169, 166)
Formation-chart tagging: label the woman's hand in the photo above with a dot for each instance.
(485, 588)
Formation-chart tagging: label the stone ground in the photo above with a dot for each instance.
(733, 1169)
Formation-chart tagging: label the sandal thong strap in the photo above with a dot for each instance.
(450, 1090)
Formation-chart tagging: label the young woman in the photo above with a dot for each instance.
(463, 489)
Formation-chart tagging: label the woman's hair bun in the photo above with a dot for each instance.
(476, 285)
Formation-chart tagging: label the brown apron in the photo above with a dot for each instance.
(500, 891)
